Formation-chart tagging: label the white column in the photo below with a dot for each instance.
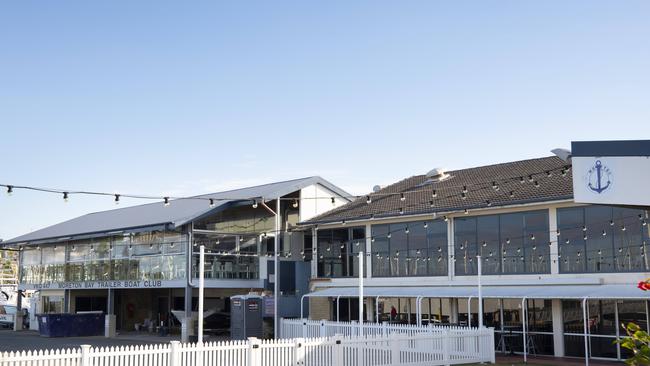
(450, 250)
(558, 328)
(276, 266)
(369, 251)
(553, 237)
(361, 258)
(480, 292)
(201, 285)
(314, 253)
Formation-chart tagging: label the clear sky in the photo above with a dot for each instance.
(180, 98)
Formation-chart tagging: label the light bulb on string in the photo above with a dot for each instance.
(434, 194)
(402, 197)
(254, 204)
(401, 211)
(426, 224)
(10, 190)
(536, 184)
(522, 180)
(368, 200)
(117, 199)
(65, 196)
(166, 201)
(294, 204)
(211, 203)
(512, 194)
(333, 200)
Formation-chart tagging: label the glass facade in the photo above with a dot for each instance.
(508, 243)
(416, 248)
(154, 255)
(602, 239)
(338, 251)
(229, 257)
(603, 316)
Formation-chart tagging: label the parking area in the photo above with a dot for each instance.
(30, 340)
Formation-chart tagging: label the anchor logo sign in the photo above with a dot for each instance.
(599, 177)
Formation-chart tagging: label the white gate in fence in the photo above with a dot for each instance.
(439, 348)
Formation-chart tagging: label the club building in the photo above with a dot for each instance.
(138, 264)
(563, 273)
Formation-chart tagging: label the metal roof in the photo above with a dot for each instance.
(178, 213)
(627, 291)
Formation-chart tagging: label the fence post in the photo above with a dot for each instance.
(322, 329)
(85, 355)
(254, 351)
(445, 347)
(394, 352)
(491, 347)
(337, 351)
(174, 353)
(299, 351)
(383, 329)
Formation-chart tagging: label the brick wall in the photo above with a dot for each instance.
(319, 308)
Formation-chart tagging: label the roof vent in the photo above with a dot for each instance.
(376, 188)
(437, 175)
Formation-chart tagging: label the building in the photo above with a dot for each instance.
(138, 264)
(542, 256)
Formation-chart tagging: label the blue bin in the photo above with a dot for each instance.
(70, 325)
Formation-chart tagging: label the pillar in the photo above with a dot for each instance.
(18, 318)
(558, 328)
(187, 323)
(453, 304)
(110, 319)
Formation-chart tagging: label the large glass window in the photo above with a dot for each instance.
(338, 251)
(416, 248)
(603, 320)
(602, 239)
(507, 243)
(142, 256)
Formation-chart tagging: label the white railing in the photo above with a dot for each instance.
(446, 347)
(295, 328)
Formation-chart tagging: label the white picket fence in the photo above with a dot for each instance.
(439, 348)
(295, 328)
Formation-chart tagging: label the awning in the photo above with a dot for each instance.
(495, 292)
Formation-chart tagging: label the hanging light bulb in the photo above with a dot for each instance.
(495, 186)
(401, 211)
(584, 237)
(372, 239)
(466, 212)
(434, 194)
(333, 200)
(604, 233)
(406, 230)
(368, 200)
(463, 195)
(402, 197)
(534, 247)
(484, 243)
(600, 252)
(10, 190)
(507, 240)
(536, 184)
(611, 222)
(567, 241)
(464, 189)
(439, 249)
(255, 204)
(426, 224)
(389, 235)
(294, 204)
(584, 228)
(431, 203)
(532, 236)
(117, 199)
(623, 228)
(211, 203)
(217, 242)
(549, 173)
(488, 203)
(512, 194)
(563, 172)
(65, 196)
(521, 180)
(446, 218)
(530, 178)
(166, 203)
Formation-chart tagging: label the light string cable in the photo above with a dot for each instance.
(67, 193)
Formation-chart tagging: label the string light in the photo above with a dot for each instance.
(402, 197)
(434, 194)
(117, 199)
(254, 204)
(368, 200)
(166, 201)
(333, 200)
(401, 211)
(536, 184)
(294, 204)
(10, 190)
(211, 203)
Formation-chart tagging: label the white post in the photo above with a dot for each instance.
(586, 329)
(201, 288)
(85, 355)
(523, 327)
(174, 356)
(276, 266)
(480, 292)
(469, 311)
(361, 255)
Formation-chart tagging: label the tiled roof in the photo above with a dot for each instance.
(418, 194)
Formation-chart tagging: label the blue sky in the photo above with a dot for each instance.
(180, 98)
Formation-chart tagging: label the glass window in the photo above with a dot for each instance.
(380, 253)
(338, 251)
(602, 239)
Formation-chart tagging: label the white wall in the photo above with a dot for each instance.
(316, 199)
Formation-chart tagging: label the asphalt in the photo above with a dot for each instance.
(31, 340)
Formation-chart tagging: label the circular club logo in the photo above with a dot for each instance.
(599, 177)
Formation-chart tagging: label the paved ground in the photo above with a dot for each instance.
(550, 361)
(30, 340)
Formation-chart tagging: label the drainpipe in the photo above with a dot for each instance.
(338, 307)
(302, 304)
(469, 311)
(418, 310)
(586, 328)
(377, 309)
(524, 326)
